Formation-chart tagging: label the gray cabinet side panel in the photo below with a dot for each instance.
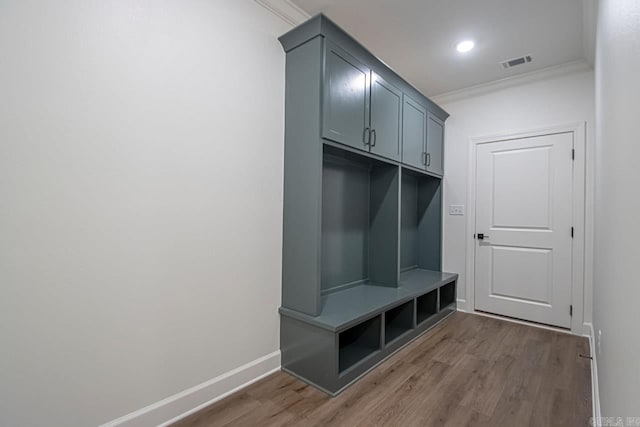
(414, 133)
(430, 224)
(384, 223)
(435, 141)
(309, 352)
(302, 180)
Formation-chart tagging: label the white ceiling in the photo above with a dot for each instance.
(417, 38)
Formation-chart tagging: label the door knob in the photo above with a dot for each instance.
(482, 236)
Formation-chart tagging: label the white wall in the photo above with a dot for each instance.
(559, 100)
(141, 147)
(616, 285)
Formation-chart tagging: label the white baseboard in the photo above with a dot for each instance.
(595, 392)
(521, 322)
(178, 406)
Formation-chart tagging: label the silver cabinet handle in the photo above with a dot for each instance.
(428, 159)
(424, 158)
(375, 138)
(367, 132)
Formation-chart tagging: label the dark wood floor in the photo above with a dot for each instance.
(467, 371)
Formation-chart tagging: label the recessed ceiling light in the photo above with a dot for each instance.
(465, 46)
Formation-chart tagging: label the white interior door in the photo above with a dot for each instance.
(524, 210)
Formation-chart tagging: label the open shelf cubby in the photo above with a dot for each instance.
(398, 321)
(447, 295)
(359, 221)
(358, 343)
(426, 306)
(421, 218)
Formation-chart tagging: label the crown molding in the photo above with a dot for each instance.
(285, 10)
(520, 79)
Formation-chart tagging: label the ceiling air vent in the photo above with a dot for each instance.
(509, 63)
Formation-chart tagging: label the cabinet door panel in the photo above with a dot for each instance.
(414, 133)
(386, 116)
(435, 140)
(346, 98)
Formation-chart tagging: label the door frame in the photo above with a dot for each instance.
(578, 213)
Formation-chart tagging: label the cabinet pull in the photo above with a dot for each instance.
(428, 159)
(424, 158)
(366, 131)
(373, 132)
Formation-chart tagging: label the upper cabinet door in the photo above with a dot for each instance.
(435, 141)
(414, 133)
(346, 99)
(386, 118)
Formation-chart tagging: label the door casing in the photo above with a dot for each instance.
(578, 206)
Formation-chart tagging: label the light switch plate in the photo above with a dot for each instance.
(456, 209)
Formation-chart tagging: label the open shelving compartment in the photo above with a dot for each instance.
(379, 270)
(426, 306)
(421, 218)
(358, 343)
(447, 295)
(398, 321)
(359, 221)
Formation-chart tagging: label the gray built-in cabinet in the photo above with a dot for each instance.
(422, 137)
(360, 109)
(434, 148)
(414, 133)
(361, 273)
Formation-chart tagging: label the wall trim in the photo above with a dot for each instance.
(520, 79)
(285, 10)
(595, 391)
(520, 322)
(191, 400)
(579, 211)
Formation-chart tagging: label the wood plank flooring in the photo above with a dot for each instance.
(467, 371)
